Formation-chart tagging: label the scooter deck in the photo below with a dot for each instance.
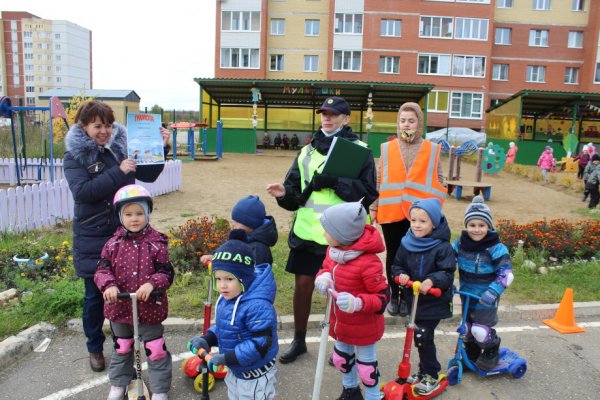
(132, 390)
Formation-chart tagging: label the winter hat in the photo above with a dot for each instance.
(142, 204)
(249, 211)
(433, 208)
(512, 144)
(596, 157)
(236, 257)
(547, 148)
(479, 210)
(345, 222)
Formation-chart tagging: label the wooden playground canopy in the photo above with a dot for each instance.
(307, 94)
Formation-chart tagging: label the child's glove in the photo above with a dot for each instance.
(348, 303)
(196, 343)
(323, 283)
(323, 181)
(488, 298)
(215, 361)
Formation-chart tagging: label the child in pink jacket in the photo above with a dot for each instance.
(546, 162)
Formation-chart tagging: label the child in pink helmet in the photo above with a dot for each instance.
(136, 259)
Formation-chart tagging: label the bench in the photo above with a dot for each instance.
(478, 187)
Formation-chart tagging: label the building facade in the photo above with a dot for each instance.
(39, 55)
(475, 52)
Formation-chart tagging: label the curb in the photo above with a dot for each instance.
(15, 347)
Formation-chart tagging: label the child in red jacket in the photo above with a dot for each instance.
(136, 259)
(353, 269)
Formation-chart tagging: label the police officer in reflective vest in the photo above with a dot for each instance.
(309, 192)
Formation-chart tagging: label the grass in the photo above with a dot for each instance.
(56, 299)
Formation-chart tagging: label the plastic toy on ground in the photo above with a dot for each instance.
(508, 362)
(400, 389)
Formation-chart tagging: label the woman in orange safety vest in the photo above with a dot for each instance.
(409, 170)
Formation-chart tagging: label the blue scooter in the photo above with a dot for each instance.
(508, 362)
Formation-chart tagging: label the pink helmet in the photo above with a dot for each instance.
(132, 194)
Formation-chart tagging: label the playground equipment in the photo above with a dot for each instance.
(454, 181)
(508, 362)
(203, 138)
(56, 110)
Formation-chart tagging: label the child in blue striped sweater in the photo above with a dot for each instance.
(485, 270)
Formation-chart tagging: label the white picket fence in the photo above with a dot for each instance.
(31, 170)
(30, 207)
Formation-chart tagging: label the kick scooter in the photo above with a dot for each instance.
(137, 390)
(400, 389)
(508, 361)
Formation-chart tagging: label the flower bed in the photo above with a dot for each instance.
(559, 238)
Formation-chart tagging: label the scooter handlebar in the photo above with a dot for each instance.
(128, 295)
(435, 292)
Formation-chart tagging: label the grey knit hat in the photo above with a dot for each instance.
(345, 222)
(479, 210)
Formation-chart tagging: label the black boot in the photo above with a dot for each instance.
(402, 303)
(473, 350)
(351, 394)
(297, 347)
(490, 355)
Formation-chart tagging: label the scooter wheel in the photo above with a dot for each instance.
(221, 372)
(190, 366)
(519, 370)
(198, 383)
(454, 374)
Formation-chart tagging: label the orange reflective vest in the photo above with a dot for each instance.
(398, 190)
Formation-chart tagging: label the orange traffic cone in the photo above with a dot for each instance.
(564, 319)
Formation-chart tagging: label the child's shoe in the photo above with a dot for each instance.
(414, 379)
(427, 385)
(402, 308)
(584, 197)
(351, 394)
(392, 307)
(160, 396)
(489, 357)
(116, 393)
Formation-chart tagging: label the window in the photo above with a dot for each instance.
(503, 36)
(469, 66)
(541, 4)
(389, 65)
(597, 75)
(57, 36)
(434, 64)
(277, 26)
(575, 39)
(578, 5)
(239, 58)
(505, 3)
(535, 73)
(348, 23)
(538, 37)
(344, 60)
(571, 75)
(312, 27)
(311, 63)
(467, 105)
(435, 27)
(390, 27)
(240, 21)
(500, 72)
(276, 62)
(437, 101)
(471, 29)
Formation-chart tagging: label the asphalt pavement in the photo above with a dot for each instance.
(560, 366)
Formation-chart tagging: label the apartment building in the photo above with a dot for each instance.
(39, 55)
(475, 52)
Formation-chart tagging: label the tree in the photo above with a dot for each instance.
(156, 109)
(59, 128)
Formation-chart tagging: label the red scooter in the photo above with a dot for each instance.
(400, 389)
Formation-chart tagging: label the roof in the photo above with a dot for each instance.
(387, 96)
(543, 103)
(103, 94)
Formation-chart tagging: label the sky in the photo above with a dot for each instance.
(155, 50)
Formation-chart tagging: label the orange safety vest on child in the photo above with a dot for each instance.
(398, 190)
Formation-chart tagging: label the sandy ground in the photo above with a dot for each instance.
(213, 187)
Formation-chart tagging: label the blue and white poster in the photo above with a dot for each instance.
(144, 140)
